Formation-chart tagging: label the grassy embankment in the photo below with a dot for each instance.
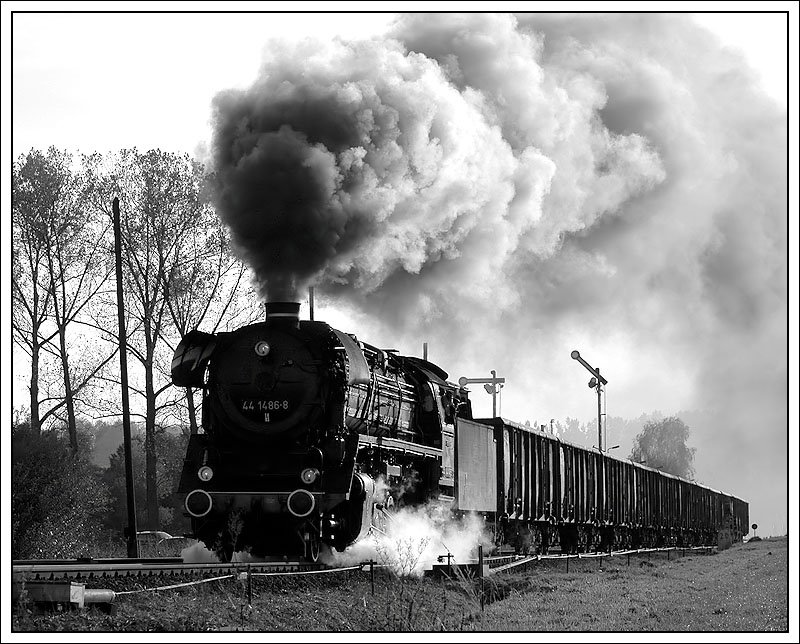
(744, 588)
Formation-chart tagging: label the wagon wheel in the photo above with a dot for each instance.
(583, 539)
(527, 540)
(537, 540)
(545, 532)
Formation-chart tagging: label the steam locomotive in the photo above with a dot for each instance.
(312, 437)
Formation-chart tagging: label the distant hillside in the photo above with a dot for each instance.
(107, 438)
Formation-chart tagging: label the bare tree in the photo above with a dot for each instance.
(208, 287)
(165, 213)
(58, 270)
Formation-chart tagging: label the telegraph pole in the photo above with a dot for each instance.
(133, 545)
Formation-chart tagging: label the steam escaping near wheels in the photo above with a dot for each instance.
(198, 553)
(415, 538)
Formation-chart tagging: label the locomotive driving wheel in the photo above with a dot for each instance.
(313, 548)
(312, 542)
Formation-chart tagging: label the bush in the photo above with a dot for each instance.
(170, 450)
(57, 498)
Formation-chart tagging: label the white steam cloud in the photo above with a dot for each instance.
(509, 188)
(415, 538)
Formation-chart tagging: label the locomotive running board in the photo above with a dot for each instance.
(397, 444)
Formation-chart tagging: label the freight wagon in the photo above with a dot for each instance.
(540, 491)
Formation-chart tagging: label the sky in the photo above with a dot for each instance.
(85, 80)
(612, 184)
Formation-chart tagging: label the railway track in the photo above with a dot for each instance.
(84, 569)
(81, 569)
(523, 560)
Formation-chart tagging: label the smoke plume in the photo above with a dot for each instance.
(515, 187)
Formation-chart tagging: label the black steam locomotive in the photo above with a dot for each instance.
(311, 437)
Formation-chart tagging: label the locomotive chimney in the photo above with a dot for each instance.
(285, 314)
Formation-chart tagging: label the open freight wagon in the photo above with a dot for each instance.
(540, 491)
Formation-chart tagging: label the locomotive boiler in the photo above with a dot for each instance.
(312, 437)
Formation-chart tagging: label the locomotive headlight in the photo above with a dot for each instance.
(309, 475)
(205, 473)
(262, 348)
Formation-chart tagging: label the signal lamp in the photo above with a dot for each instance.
(205, 473)
(309, 475)
(261, 348)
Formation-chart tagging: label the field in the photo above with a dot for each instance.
(744, 588)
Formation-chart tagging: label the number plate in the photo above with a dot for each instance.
(264, 410)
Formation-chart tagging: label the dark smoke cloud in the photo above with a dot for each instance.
(279, 179)
(362, 162)
(510, 188)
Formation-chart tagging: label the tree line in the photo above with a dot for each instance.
(66, 504)
(180, 273)
(654, 440)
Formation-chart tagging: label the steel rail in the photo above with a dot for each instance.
(96, 560)
(592, 555)
(80, 570)
(50, 570)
